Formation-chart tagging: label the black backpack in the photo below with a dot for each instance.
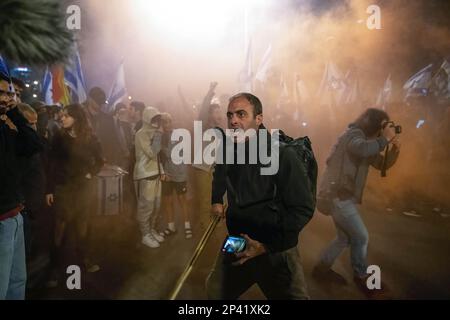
(305, 154)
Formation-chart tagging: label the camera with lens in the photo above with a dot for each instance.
(398, 128)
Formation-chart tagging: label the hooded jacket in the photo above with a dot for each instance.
(146, 157)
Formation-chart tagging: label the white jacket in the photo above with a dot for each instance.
(146, 160)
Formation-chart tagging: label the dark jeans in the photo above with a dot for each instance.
(279, 276)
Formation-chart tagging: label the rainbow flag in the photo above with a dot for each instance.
(60, 90)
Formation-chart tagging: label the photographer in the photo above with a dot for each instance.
(17, 139)
(342, 188)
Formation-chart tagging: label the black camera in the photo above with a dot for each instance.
(398, 128)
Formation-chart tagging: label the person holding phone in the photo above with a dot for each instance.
(267, 211)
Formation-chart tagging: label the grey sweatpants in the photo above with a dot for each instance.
(148, 194)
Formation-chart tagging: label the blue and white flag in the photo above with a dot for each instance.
(264, 65)
(4, 71)
(384, 96)
(419, 83)
(246, 73)
(47, 87)
(332, 86)
(301, 96)
(74, 79)
(351, 94)
(283, 97)
(118, 90)
(441, 81)
(3, 68)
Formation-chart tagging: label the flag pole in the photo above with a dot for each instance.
(194, 258)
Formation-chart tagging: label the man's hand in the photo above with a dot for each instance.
(49, 199)
(12, 104)
(396, 142)
(217, 210)
(213, 85)
(389, 132)
(10, 124)
(164, 177)
(253, 249)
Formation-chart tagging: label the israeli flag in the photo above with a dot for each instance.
(264, 65)
(332, 86)
(47, 87)
(419, 83)
(118, 90)
(4, 68)
(246, 73)
(74, 79)
(384, 96)
(5, 72)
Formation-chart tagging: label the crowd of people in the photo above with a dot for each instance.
(52, 154)
(68, 147)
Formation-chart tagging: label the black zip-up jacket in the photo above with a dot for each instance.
(70, 160)
(24, 142)
(270, 209)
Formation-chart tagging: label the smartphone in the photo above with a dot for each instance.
(233, 244)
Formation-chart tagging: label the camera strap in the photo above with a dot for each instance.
(383, 168)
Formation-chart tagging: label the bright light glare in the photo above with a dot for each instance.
(191, 20)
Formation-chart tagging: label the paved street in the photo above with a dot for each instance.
(413, 253)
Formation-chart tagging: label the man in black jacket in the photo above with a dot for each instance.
(17, 139)
(268, 211)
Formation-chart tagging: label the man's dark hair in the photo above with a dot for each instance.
(370, 121)
(39, 106)
(53, 109)
(138, 106)
(98, 95)
(18, 83)
(254, 101)
(119, 106)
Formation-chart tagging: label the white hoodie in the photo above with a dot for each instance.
(146, 160)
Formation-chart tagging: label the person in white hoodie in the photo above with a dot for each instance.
(147, 176)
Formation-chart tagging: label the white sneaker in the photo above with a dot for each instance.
(149, 241)
(156, 235)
